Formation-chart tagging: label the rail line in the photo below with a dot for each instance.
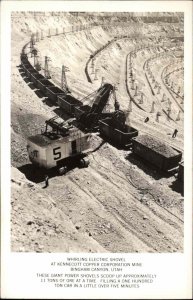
(146, 131)
(170, 91)
(163, 110)
(175, 70)
(127, 87)
(146, 79)
(95, 54)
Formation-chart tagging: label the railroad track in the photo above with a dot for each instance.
(163, 110)
(166, 88)
(171, 92)
(147, 131)
(94, 55)
(126, 80)
(127, 87)
(99, 51)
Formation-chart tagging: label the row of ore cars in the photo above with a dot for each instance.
(150, 149)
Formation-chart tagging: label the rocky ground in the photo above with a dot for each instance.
(117, 204)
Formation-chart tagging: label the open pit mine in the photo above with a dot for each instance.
(97, 113)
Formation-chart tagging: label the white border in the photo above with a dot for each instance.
(17, 269)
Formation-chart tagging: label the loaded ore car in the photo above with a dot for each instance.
(68, 103)
(59, 146)
(26, 67)
(43, 83)
(35, 77)
(53, 92)
(24, 59)
(119, 135)
(30, 72)
(78, 111)
(156, 152)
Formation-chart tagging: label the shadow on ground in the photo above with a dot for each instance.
(37, 175)
(33, 173)
(177, 186)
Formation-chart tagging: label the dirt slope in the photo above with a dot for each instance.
(38, 224)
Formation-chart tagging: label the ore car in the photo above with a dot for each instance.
(157, 152)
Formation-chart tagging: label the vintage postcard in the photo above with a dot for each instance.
(97, 149)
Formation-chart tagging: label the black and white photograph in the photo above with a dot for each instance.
(97, 112)
(96, 168)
